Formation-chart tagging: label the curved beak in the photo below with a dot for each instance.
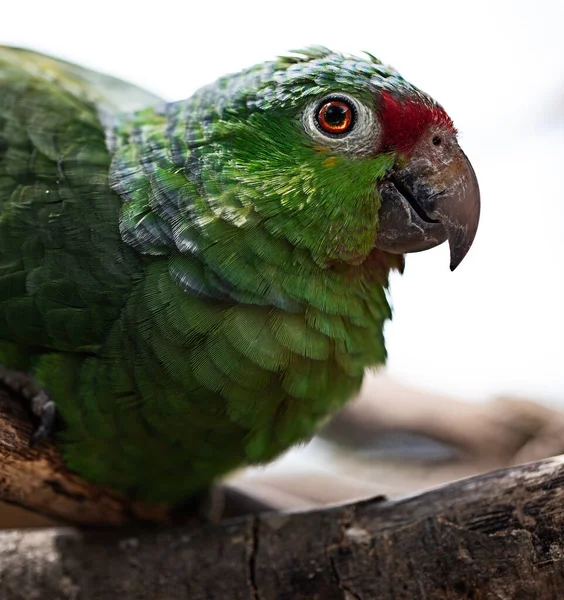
(429, 201)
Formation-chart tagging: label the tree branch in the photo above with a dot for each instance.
(494, 536)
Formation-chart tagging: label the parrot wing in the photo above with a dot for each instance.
(110, 93)
(64, 270)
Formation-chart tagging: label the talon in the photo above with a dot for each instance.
(47, 420)
(40, 403)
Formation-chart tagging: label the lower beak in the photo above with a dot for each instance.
(424, 204)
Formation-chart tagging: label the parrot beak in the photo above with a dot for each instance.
(433, 198)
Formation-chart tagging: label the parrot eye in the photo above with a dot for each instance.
(336, 116)
(342, 124)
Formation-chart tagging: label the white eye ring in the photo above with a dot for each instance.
(362, 136)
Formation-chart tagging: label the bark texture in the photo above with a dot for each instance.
(496, 536)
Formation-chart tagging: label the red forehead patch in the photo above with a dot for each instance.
(405, 121)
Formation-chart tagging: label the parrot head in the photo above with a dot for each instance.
(341, 156)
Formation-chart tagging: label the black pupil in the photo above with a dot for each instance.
(335, 115)
(436, 140)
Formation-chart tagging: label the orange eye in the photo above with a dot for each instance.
(335, 116)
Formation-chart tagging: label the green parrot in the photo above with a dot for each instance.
(197, 285)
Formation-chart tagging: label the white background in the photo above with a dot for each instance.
(496, 324)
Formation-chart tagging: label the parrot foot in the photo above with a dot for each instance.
(221, 502)
(41, 405)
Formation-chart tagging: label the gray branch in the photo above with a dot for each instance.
(495, 536)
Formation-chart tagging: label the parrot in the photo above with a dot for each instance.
(192, 287)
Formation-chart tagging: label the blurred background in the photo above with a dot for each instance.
(495, 326)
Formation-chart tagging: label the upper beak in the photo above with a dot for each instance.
(429, 201)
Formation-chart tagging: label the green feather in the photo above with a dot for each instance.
(194, 283)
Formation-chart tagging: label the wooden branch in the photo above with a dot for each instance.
(502, 431)
(494, 536)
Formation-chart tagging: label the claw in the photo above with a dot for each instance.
(46, 414)
(41, 405)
